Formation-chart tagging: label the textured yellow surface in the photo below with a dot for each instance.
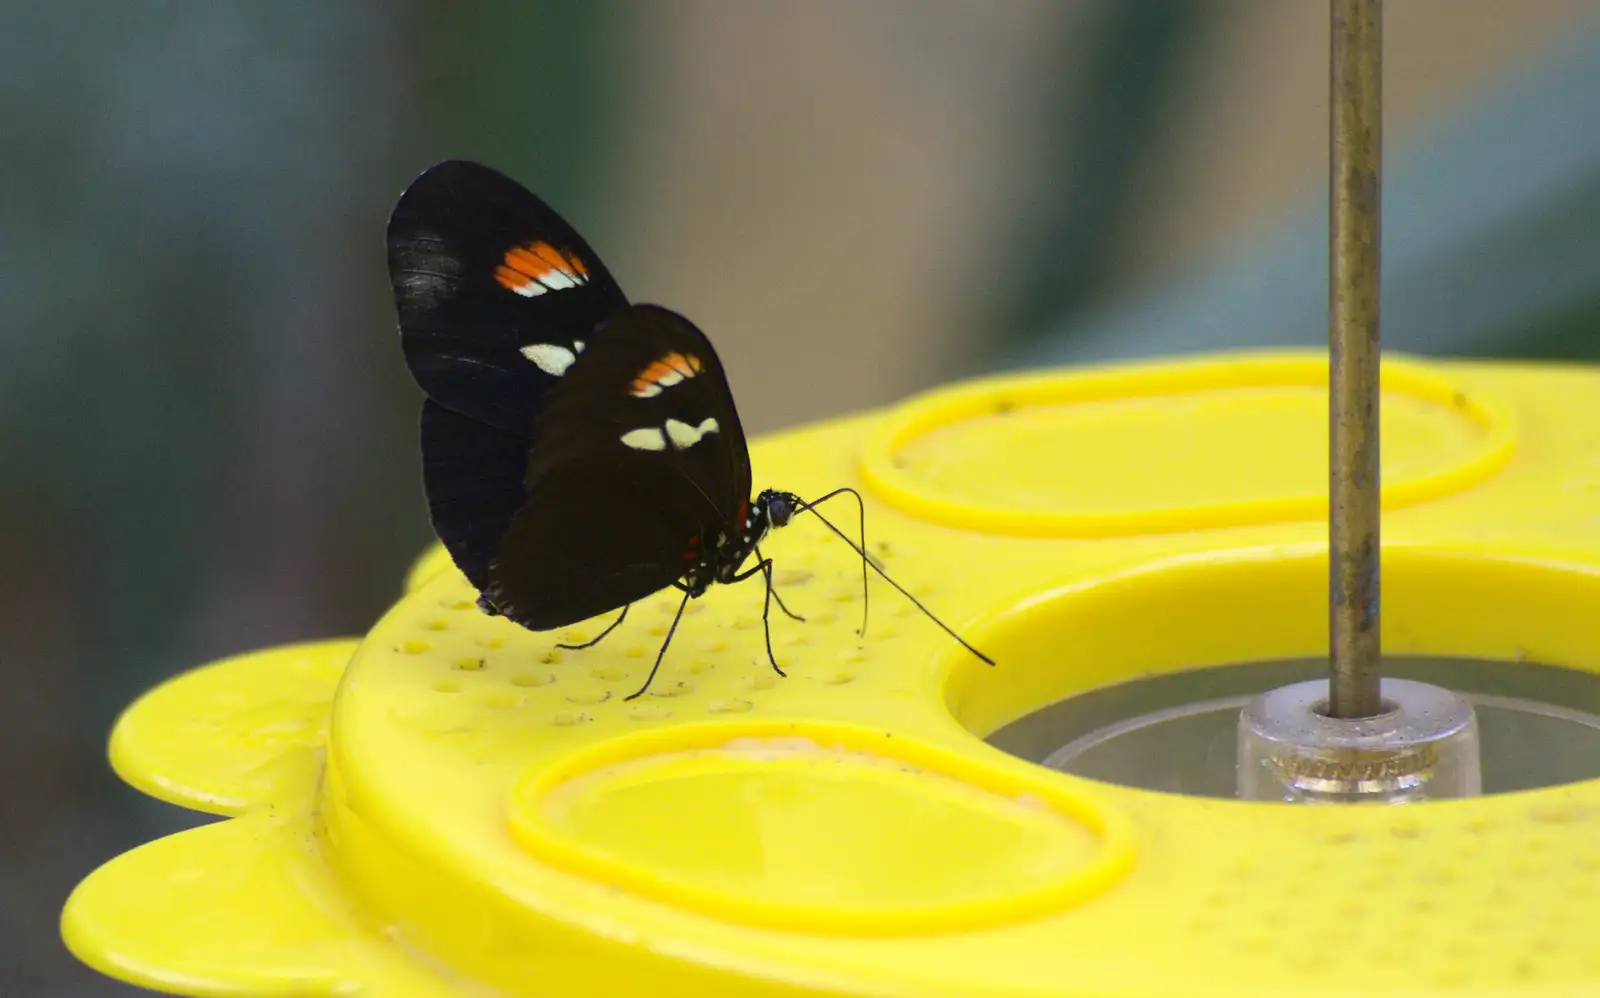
(455, 807)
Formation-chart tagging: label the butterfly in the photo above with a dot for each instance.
(580, 452)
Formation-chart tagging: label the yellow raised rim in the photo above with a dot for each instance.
(1063, 795)
(945, 407)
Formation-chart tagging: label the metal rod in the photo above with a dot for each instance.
(1355, 167)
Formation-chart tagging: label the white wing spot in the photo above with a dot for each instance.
(645, 438)
(533, 287)
(685, 436)
(557, 280)
(551, 358)
(577, 345)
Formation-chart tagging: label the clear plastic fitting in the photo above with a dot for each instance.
(1423, 746)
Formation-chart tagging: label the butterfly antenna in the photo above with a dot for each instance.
(663, 652)
(861, 510)
(866, 561)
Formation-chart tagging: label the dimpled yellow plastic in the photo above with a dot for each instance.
(453, 807)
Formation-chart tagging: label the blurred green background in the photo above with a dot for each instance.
(206, 428)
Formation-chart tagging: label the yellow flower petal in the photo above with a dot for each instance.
(235, 735)
(213, 910)
(240, 908)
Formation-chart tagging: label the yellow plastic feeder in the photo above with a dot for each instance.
(450, 806)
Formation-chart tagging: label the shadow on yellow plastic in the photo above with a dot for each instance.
(1241, 441)
(819, 827)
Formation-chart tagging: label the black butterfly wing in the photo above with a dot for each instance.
(595, 535)
(641, 466)
(465, 246)
(472, 476)
(482, 270)
(651, 369)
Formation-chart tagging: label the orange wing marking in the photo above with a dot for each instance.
(539, 267)
(665, 373)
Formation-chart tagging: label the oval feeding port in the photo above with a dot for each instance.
(1537, 725)
(1139, 677)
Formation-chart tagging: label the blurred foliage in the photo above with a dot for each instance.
(1067, 243)
(531, 89)
(208, 431)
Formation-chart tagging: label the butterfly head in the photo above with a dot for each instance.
(770, 509)
(777, 508)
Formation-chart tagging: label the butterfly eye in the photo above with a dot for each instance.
(780, 508)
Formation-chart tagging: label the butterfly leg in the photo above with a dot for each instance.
(765, 568)
(663, 652)
(601, 636)
(774, 591)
